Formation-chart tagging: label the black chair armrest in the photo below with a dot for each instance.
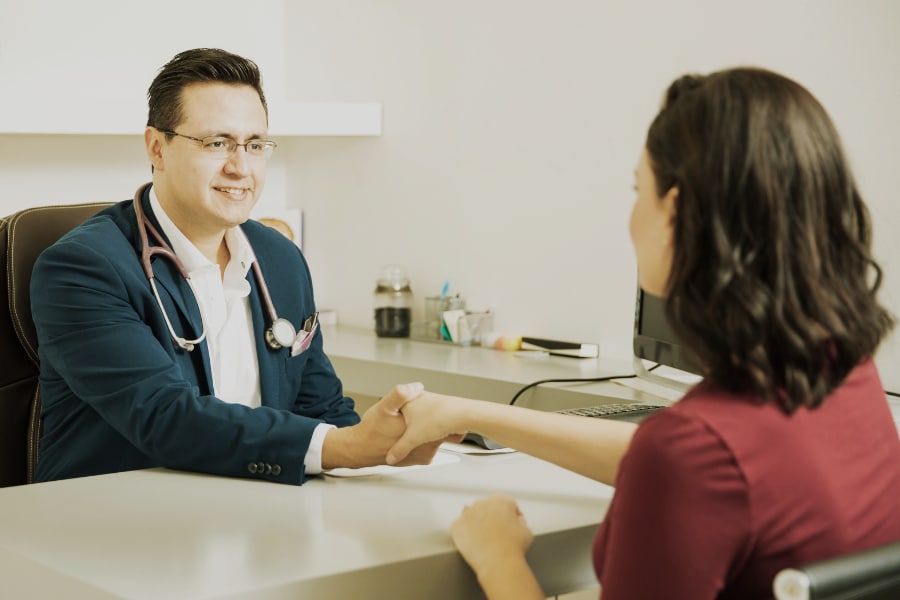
(872, 574)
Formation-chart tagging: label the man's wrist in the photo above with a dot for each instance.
(313, 459)
(337, 449)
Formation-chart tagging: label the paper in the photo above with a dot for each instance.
(441, 458)
(453, 320)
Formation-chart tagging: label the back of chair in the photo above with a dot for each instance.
(866, 575)
(23, 236)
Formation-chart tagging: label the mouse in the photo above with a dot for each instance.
(483, 441)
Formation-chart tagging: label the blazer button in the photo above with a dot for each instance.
(268, 469)
(276, 470)
(252, 468)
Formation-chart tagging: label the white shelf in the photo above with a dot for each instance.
(286, 119)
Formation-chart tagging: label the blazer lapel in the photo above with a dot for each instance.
(174, 292)
(267, 358)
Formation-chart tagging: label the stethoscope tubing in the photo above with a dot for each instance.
(281, 332)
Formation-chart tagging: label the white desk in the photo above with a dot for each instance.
(370, 365)
(164, 534)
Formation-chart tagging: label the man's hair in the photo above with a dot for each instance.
(773, 282)
(200, 65)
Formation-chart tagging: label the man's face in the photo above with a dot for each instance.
(203, 193)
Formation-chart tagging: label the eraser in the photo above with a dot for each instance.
(503, 342)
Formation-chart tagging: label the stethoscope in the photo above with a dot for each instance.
(281, 334)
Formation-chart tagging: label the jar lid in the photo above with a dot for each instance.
(393, 276)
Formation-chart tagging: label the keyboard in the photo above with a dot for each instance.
(630, 411)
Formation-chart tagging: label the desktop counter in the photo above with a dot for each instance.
(166, 534)
(371, 365)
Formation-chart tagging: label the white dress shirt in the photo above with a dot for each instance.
(225, 308)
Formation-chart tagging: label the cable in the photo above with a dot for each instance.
(609, 378)
(574, 380)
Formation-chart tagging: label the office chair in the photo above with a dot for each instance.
(23, 236)
(866, 575)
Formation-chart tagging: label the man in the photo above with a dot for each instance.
(147, 363)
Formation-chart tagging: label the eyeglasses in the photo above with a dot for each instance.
(223, 147)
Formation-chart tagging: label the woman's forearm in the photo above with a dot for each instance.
(510, 578)
(588, 446)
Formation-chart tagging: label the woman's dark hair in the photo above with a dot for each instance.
(201, 65)
(773, 282)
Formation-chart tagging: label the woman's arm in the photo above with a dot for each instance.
(588, 446)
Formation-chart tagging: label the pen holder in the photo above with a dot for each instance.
(478, 325)
(435, 307)
(459, 327)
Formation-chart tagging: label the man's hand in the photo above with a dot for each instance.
(430, 418)
(367, 443)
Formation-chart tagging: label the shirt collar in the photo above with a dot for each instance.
(190, 256)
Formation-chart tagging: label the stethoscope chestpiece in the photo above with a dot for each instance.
(281, 334)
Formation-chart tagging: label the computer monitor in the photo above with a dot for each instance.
(654, 341)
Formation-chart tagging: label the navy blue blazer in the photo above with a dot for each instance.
(118, 394)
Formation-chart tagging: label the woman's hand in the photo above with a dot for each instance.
(429, 418)
(490, 529)
(492, 537)
(368, 442)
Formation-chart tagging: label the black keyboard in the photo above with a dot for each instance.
(630, 411)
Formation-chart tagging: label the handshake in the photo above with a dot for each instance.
(405, 427)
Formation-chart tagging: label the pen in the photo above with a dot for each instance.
(311, 322)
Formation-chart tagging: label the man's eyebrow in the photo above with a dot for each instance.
(231, 136)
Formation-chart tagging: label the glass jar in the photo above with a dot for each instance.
(393, 302)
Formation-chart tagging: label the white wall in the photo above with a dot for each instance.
(511, 130)
(56, 54)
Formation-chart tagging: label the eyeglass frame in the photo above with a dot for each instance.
(269, 145)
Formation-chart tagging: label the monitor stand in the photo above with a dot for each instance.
(670, 377)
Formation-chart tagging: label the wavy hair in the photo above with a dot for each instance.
(773, 282)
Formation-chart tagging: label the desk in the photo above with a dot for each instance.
(371, 365)
(166, 534)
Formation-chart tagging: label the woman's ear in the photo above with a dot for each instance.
(669, 206)
(670, 203)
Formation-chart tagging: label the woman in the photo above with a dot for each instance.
(748, 222)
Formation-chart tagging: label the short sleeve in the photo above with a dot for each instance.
(680, 519)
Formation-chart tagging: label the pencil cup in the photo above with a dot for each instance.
(435, 307)
(478, 326)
